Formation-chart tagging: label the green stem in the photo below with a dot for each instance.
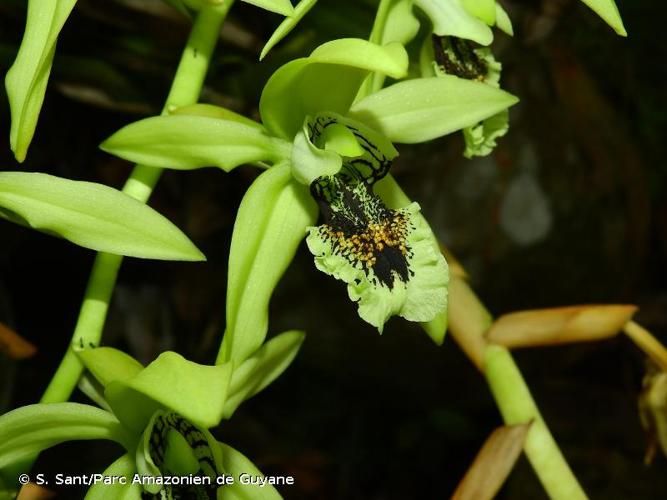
(185, 90)
(469, 320)
(374, 81)
(517, 407)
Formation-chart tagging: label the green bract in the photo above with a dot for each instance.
(93, 216)
(608, 11)
(326, 145)
(27, 78)
(160, 415)
(302, 8)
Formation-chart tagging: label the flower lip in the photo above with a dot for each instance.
(384, 255)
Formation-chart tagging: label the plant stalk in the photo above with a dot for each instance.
(185, 90)
(469, 320)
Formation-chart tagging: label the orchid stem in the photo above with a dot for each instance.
(469, 320)
(185, 89)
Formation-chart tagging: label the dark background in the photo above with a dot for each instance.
(569, 209)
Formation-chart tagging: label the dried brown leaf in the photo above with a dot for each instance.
(493, 463)
(560, 325)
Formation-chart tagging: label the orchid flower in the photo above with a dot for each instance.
(160, 415)
(326, 150)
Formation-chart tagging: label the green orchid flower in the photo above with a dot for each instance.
(459, 33)
(160, 415)
(326, 149)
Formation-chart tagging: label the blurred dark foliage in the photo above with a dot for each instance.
(571, 208)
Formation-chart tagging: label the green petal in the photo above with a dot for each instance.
(392, 194)
(197, 392)
(310, 162)
(302, 8)
(449, 17)
(235, 464)
(186, 142)
(503, 21)
(326, 139)
(123, 467)
(480, 140)
(423, 109)
(212, 111)
(93, 216)
(608, 11)
(482, 9)
(270, 224)
(283, 7)
(387, 258)
(26, 431)
(303, 87)
(173, 446)
(109, 365)
(262, 368)
(27, 78)
(400, 25)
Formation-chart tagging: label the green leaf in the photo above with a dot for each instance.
(108, 364)
(26, 431)
(262, 368)
(608, 11)
(27, 78)
(270, 224)
(302, 8)
(93, 216)
(186, 142)
(423, 109)
(235, 464)
(449, 17)
(123, 467)
(392, 194)
(304, 86)
(197, 392)
(283, 7)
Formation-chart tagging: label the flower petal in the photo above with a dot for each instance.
(608, 11)
(270, 224)
(326, 139)
(26, 431)
(262, 368)
(422, 109)
(197, 392)
(187, 142)
(449, 17)
(302, 8)
(173, 446)
(123, 467)
(303, 87)
(386, 257)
